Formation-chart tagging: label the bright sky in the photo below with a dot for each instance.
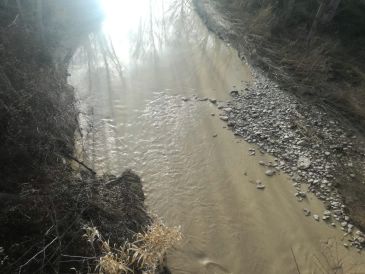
(122, 16)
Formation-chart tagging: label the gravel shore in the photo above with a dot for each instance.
(316, 149)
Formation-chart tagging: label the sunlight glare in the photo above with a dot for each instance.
(122, 16)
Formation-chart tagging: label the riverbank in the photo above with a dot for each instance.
(324, 68)
(49, 198)
(323, 155)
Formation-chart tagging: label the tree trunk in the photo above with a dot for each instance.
(330, 12)
(289, 7)
(317, 19)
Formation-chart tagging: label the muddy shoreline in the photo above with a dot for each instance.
(293, 130)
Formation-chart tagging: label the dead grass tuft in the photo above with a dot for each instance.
(145, 253)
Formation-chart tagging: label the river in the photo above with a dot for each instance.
(142, 83)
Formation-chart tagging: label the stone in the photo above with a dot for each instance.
(213, 101)
(300, 194)
(327, 213)
(224, 118)
(269, 172)
(361, 240)
(262, 163)
(303, 163)
(307, 212)
(316, 217)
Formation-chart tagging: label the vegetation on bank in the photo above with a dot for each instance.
(313, 47)
(312, 51)
(45, 202)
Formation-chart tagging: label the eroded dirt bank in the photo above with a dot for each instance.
(46, 197)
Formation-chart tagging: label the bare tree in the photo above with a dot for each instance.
(326, 12)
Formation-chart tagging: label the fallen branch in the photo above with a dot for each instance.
(84, 165)
(39, 252)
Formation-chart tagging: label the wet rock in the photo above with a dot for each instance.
(307, 212)
(234, 92)
(259, 185)
(300, 194)
(269, 172)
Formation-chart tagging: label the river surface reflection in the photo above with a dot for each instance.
(133, 80)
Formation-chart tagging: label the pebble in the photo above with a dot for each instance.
(223, 118)
(304, 163)
(269, 172)
(307, 212)
(316, 217)
(306, 141)
(260, 185)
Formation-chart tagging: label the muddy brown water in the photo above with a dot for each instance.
(131, 96)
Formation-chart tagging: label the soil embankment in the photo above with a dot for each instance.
(44, 201)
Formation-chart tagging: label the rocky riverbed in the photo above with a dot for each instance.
(319, 151)
(316, 149)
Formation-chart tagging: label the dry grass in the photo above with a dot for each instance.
(145, 253)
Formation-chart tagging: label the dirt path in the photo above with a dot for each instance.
(154, 116)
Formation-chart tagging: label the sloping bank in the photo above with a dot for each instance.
(46, 206)
(312, 48)
(292, 129)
